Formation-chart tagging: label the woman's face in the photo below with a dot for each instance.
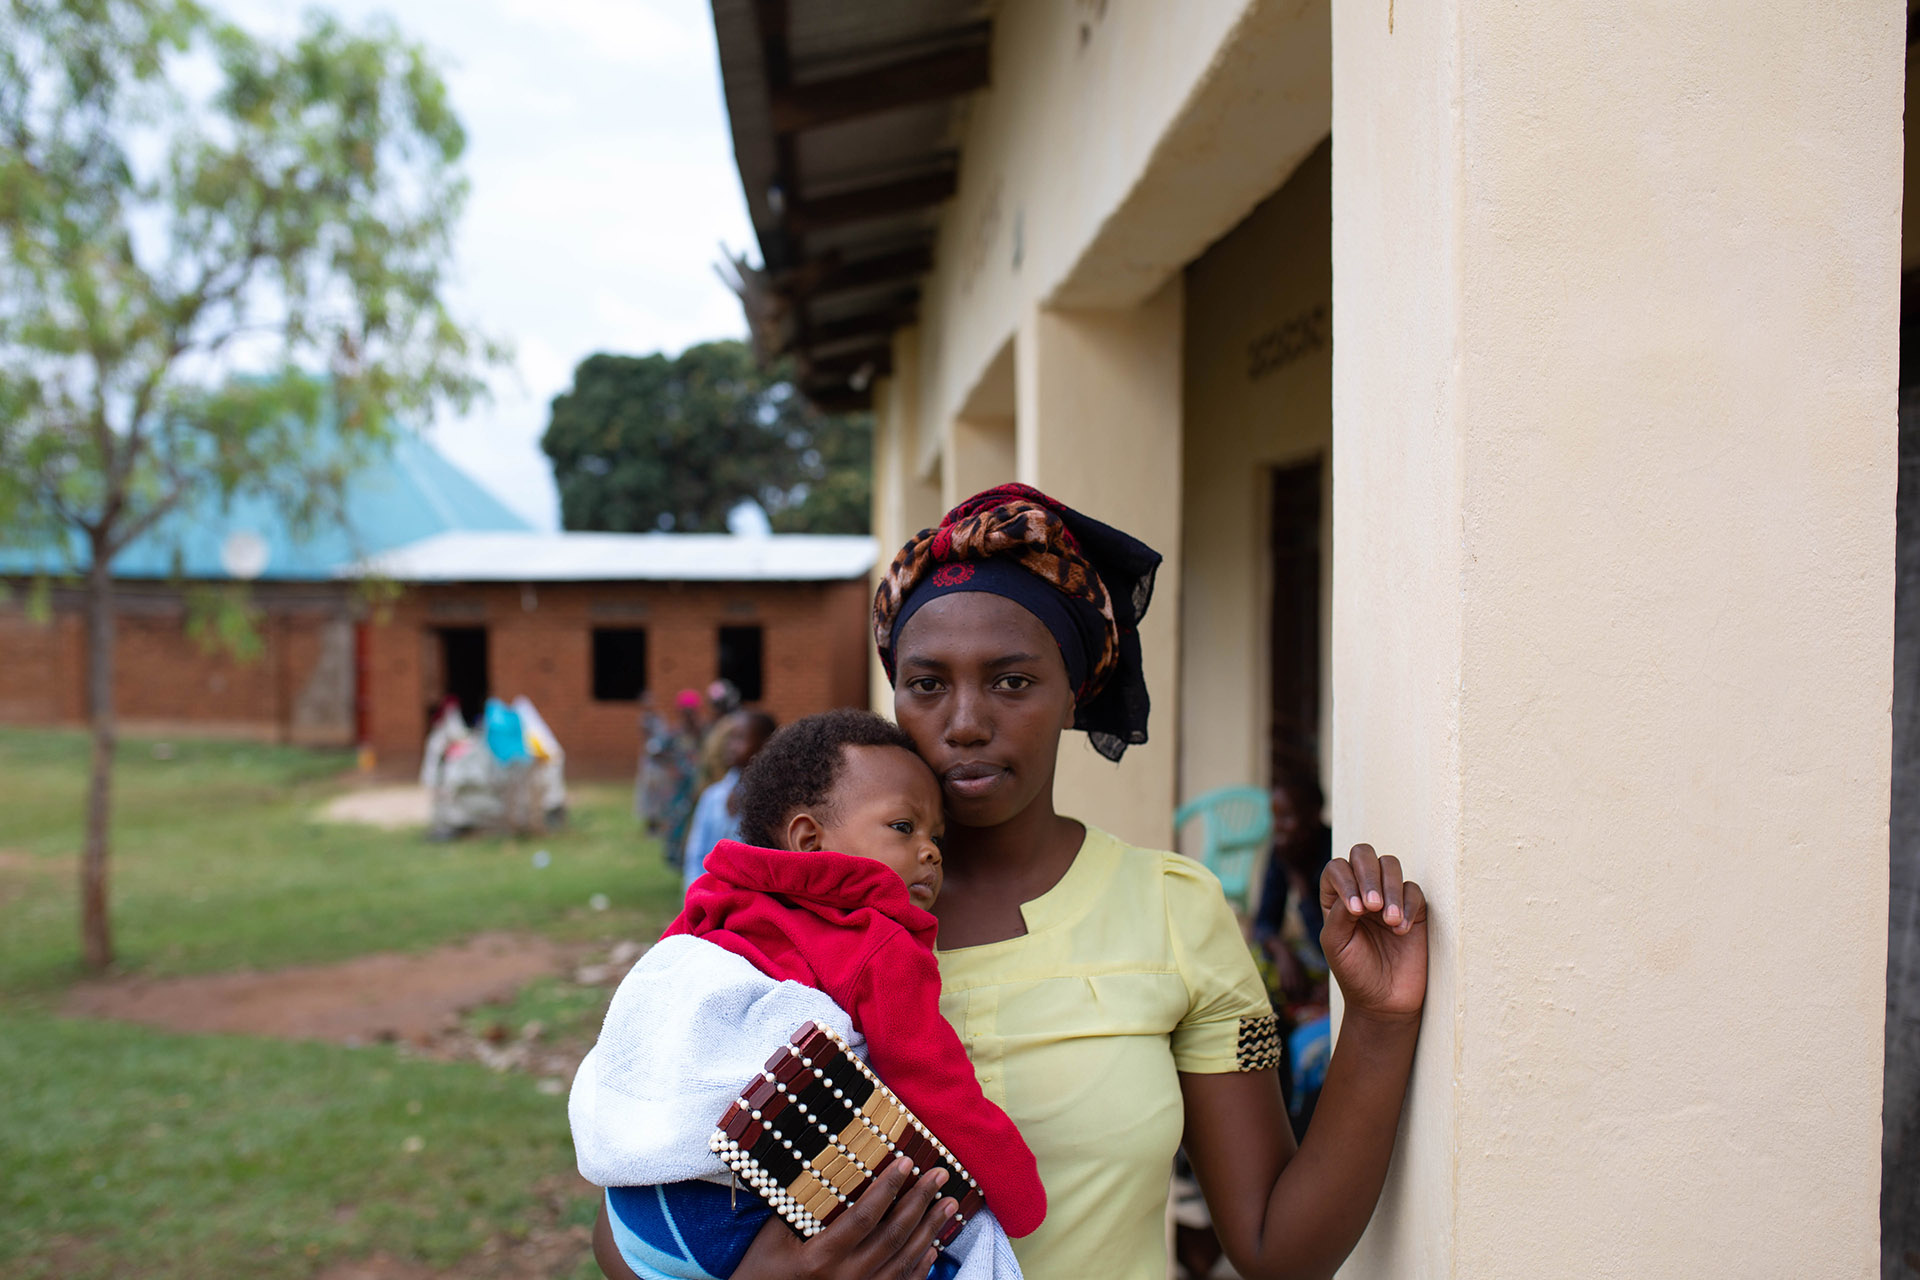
(981, 687)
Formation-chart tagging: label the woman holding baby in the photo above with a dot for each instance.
(1103, 992)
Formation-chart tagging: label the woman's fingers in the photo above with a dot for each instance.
(1366, 872)
(1363, 883)
(886, 1235)
(906, 1233)
(915, 1254)
(1338, 888)
(871, 1209)
(1414, 903)
(857, 1227)
(1392, 907)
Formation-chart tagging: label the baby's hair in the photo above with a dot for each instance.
(799, 766)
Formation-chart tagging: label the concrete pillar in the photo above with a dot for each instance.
(1098, 426)
(1615, 314)
(905, 500)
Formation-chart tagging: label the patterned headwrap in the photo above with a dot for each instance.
(1089, 583)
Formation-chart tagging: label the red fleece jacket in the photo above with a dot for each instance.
(845, 926)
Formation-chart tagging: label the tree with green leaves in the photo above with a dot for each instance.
(645, 443)
(197, 284)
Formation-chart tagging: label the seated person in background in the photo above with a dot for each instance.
(716, 816)
(822, 914)
(1302, 847)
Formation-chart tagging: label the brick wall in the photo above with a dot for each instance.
(42, 667)
(301, 687)
(298, 689)
(539, 643)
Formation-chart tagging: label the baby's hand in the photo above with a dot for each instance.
(1375, 937)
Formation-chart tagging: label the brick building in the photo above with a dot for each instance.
(584, 624)
(300, 687)
(588, 624)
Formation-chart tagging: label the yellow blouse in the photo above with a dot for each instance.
(1132, 969)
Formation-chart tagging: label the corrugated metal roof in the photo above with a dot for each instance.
(773, 52)
(410, 494)
(626, 557)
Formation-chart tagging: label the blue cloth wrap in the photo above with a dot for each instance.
(695, 1230)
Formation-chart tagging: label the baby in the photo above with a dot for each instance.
(820, 911)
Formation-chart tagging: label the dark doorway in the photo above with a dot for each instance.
(1294, 620)
(463, 664)
(1900, 1112)
(740, 660)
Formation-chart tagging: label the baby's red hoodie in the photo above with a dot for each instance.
(845, 926)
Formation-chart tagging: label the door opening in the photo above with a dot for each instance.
(463, 664)
(1294, 622)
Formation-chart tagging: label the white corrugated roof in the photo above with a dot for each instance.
(616, 557)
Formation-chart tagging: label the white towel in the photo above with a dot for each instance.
(689, 1024)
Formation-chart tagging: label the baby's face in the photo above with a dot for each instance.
(886, 806)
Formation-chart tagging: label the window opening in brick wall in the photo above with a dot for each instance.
(463, 669)
(619, 663)
(740, 650)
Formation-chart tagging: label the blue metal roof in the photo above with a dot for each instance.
(411, 493)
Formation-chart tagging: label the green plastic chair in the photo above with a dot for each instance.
(1236, 826)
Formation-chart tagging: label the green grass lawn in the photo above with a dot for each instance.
(130, 1152)
(220, 864)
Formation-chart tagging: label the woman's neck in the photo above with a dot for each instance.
(992, 871)
(1027, 854)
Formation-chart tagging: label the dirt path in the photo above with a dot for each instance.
(385, 996)
(392, 808)
(544, 1253)
(417, 1000)
(548, 1248)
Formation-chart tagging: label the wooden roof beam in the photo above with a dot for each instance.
(839, 398)
(911, 81)
(883, 200)
(830, 273)
(872, 324)
(839, 368)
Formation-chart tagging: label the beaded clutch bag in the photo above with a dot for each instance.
(813, 1130)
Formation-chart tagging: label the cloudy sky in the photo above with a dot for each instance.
(603, 185)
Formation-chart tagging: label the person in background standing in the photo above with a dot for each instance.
(722, 701)
(652, 786)
(716, 817)
(1302, 847)
(683, 752)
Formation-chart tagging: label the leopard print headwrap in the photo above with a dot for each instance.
(1106, 573)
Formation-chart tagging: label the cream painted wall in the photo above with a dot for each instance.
(1099, 428)
(977, 448)
(906, 498)
(1117, 141)
(979, 454)
(1259, 393)
(1614, 374)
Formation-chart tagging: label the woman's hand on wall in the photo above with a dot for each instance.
(1375, 937)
